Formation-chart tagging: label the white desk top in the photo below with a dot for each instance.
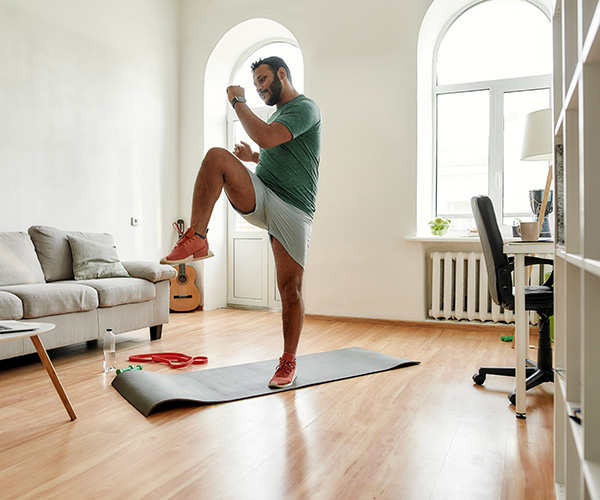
(519, 246)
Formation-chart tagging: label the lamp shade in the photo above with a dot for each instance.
(537, 141)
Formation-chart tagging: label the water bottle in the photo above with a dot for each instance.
(110, 351)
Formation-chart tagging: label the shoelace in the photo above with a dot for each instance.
(177, 228)
(173, 359)
(183, 241)
(286, 366)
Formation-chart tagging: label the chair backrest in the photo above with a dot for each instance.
(491, 242)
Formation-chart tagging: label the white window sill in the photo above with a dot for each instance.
(457, 237)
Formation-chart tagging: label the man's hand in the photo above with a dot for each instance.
(235, 90)
(265, 135)
(244, 152)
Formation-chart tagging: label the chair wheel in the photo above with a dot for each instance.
(512, 397)
(479, 379)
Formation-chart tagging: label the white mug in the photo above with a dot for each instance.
(529, 231)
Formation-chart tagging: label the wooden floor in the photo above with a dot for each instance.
(423, 432)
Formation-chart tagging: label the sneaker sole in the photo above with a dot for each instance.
(276, 386)
(191, 258)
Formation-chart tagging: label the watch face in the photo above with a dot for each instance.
(237, 99)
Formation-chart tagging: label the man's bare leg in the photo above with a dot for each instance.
(220, 170)
(290, 276)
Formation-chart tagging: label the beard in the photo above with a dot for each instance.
(274, 91)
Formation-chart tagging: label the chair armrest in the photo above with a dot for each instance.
(531, 261)
(151, 271)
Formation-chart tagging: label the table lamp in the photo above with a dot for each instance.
(537, 146)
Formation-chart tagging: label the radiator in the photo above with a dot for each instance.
(459, 289)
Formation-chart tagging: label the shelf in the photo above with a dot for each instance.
(592, 266)
(590, 52)
(570, 52)
(557, 79)
(575, 259)
(576, 43)
(591, 473)
(558, 126)
(576, 431)
(572, 96)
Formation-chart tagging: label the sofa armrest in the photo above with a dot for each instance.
(151, 271)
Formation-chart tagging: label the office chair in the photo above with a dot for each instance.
(537, 298)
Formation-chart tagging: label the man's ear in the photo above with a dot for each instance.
(282, 73)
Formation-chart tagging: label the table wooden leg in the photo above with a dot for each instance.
(39, 347)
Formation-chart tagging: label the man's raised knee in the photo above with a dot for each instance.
(216, 154)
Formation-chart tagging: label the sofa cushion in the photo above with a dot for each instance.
(49, 299)
(18, 261)
(117, 291)
(54, 251)
(11, 306)
(94, 260)
(151, 271)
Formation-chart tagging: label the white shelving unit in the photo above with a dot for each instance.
(576, 26)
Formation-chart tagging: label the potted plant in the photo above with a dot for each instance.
(439, 226)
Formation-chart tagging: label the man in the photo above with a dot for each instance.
(280, 197)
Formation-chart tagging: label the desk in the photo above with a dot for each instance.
(520, 249)
(39, 347)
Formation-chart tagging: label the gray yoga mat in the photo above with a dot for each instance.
(146, 390)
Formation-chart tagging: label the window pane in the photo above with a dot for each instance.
(521, 176)
(462, 152)
(495, 40)
(292, 56)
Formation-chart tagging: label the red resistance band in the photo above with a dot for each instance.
(173, 359)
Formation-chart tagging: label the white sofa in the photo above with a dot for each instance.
(76, 281)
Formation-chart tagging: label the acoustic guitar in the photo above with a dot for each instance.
(185, 296)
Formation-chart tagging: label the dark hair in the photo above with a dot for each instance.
(274, 63)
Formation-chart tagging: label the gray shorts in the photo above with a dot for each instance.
(289, 225)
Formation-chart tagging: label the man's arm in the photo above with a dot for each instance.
(244, 152)
(266, 135)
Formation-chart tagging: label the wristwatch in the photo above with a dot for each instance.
(237, 98)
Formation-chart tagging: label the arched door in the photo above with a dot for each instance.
(251, 267)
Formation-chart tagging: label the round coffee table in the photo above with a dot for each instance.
(39, 347)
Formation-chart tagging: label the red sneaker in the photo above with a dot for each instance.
(191, 246)
(286, 371)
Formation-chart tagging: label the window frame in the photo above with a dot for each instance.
(497, 89)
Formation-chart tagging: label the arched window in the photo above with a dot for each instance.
(493, 66)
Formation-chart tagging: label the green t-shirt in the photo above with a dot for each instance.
(291, 169)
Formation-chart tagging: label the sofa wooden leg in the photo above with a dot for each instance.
(156, 332)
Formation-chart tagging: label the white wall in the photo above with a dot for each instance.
(360, 67)
(89, 118)
(91, 132)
